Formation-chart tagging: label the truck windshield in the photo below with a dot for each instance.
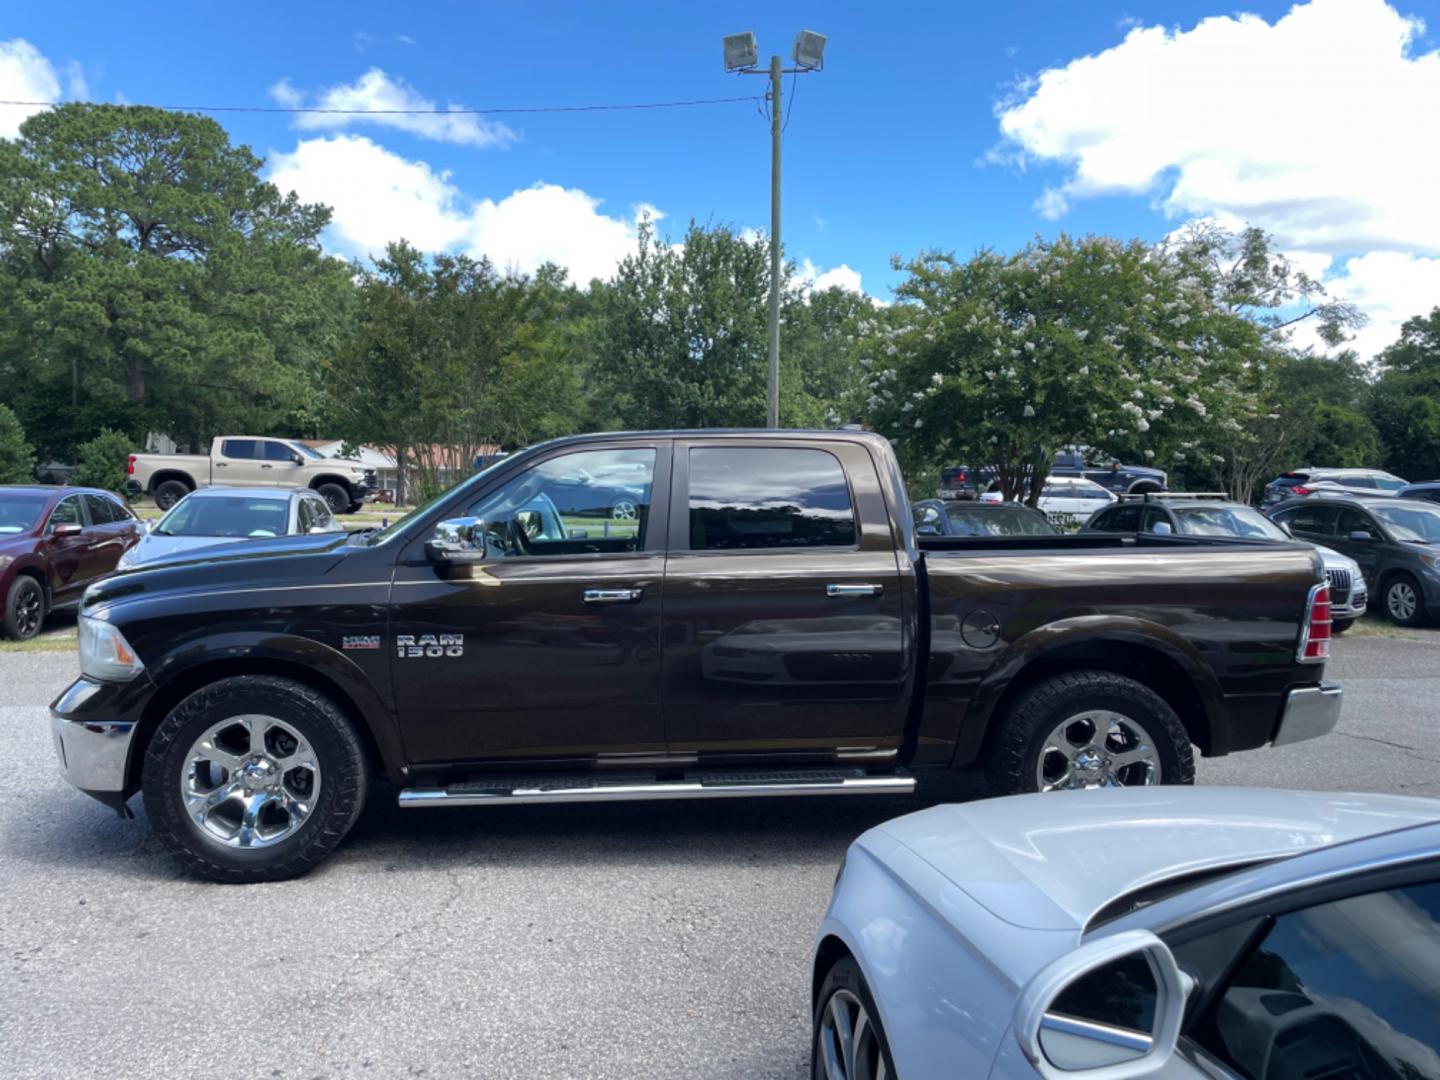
(301, 448)
(226, 515)
(392, 530)
(18, 513)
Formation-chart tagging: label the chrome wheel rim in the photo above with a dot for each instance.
(29, 611)
(1401, 601)
(250, 781)
(624, 510)
(848, 1046)
(1097, 748)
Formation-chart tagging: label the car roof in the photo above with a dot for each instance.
(53, 489)
(1338, 498)
(1053, 861)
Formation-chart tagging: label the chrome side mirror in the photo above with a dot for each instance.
(458, 540)
(1062, 1044)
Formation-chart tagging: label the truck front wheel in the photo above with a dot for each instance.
(254, 778)
(170, 492)
(336, 496)
(1088, 729)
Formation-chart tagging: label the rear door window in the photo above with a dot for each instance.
(746, 498)
(239, 448)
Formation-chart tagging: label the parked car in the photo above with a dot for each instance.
(496, 647)
(1395, 541)
(250, 461)
(1067, 500)
(1303, 483)
(934, 517)
(214, 516)
(1426, 489)
(964, 482)
(1205, 933)
(1217, 516)
(54, 542)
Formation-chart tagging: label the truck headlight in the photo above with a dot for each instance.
(104, 652)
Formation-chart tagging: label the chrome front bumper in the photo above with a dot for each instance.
(93, 754)
(1310, 711)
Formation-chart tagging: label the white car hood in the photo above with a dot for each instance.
(154, 546)
(1052, 861)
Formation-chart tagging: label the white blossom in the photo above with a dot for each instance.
(1029, 411)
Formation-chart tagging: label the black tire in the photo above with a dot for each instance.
(355, 508)
(344, 778)
(844, 977)
(1020, 735)
(24, 608)
(170, 492)
(1397, 587)
(336, 496)
(1339, 626)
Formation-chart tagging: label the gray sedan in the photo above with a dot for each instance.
(1104, 935)
(226, 515)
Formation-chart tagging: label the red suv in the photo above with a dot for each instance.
(54, 541)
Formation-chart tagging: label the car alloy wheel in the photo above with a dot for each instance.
(250, 781)
(1401, 601)
(625, 510)
(29, 610)
(1098, 748)
(849, 1044)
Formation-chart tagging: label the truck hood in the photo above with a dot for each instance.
(1052, 861)
(272, 561)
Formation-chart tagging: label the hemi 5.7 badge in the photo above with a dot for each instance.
(360, 641)
(409, 646)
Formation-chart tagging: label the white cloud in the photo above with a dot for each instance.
(379, 196)
(25, 75)
(841, 276)
(393, 103)
(1390, 287)
(1306, 127)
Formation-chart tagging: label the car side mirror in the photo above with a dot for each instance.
(457, 541)
(1361, 536)
(66, 528)
(1062, 1045)
(297, 459)
(317, 529)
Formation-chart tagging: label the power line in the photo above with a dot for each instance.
(426, 112)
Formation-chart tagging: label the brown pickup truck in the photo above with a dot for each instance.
(251, 461)
(765, 623)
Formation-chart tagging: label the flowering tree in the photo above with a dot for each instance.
(1005, 359)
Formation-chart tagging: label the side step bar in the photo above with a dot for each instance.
(498, 790)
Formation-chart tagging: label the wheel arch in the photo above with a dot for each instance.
(1145, 486)
(832, 948)
(317, 482)
(380, 742)
(162, 476)
(1149, 653)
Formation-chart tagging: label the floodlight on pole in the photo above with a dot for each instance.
(742, 56)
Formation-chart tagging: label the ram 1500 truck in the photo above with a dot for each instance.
(767, 623)
(251, 461)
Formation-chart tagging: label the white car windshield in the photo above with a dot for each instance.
(1227, 521)
(226, 515)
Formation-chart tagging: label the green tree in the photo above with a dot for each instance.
(17, 459)
(102, 460)
(448, 356)
(153, 281)
(1405, 405)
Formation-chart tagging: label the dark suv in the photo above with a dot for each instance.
(1395, 541)
(1426, 489)
(1306, 482)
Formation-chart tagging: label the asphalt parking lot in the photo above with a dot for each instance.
(650, 940)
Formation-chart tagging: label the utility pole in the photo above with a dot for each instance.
(742, 57)
(776, 100)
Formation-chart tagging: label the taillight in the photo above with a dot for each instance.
(962, 477)
(1299, 490)
(1315, 638)
(130, 466)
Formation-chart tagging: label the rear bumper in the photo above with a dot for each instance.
(134, 487)
(1309, 712)
(94, 755)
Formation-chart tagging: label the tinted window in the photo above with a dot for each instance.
(1001, 521)
(19, 513)
(1122, 995)
(927, 519)
(239, 448)
(766, 497)
(1315, 520)
(1125, 519)
(1349, 989)
(119, 511)
(1355, 481)
(99, 508)
(588, 502)
(66, 512)
(277, 451)
(1350, 521)
(1153, 516)
(1388, 483)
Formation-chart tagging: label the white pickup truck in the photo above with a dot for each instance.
(252, 461)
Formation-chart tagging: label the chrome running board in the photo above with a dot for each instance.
(510, 790)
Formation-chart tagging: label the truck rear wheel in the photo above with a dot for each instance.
(254, 778)
(1087, 729)
(170, 492)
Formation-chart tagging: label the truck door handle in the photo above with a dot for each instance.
(612, 596)
(854, 590)
(267, 466)
(221, 464)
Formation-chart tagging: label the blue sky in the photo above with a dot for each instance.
(1294, 122)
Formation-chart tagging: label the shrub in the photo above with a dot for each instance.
(103, 460)
(17, 459)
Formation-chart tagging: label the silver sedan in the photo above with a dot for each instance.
(1102, 935)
